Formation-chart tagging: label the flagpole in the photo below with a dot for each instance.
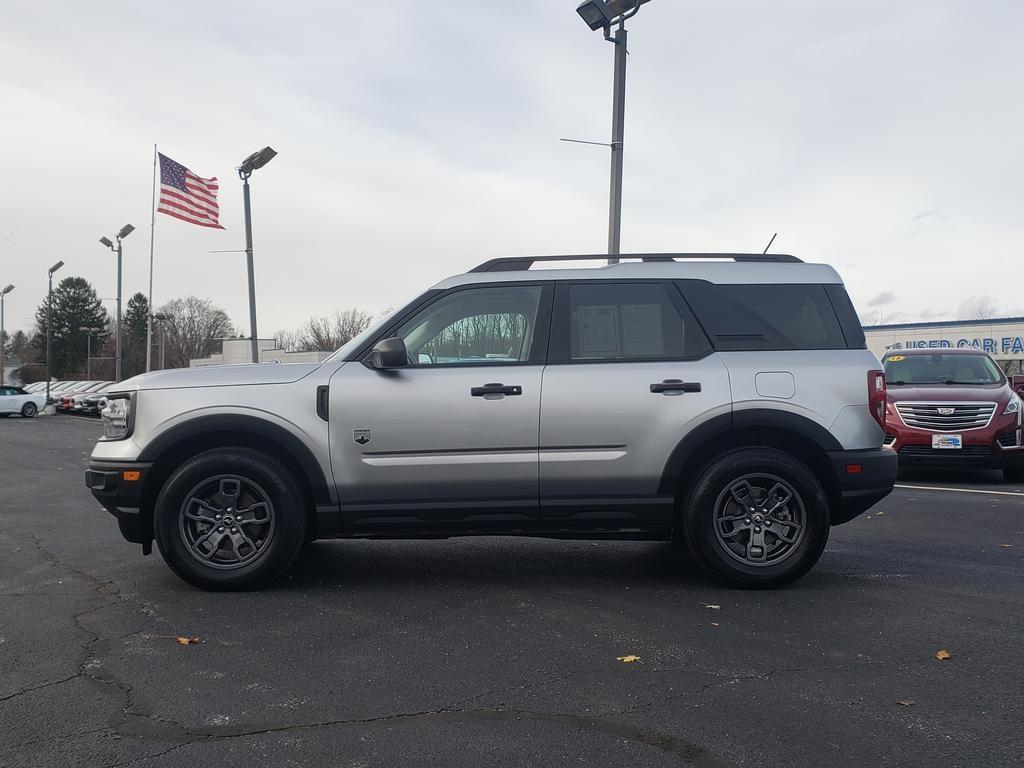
(152, 228)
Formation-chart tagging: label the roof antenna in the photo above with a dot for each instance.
(770, 243)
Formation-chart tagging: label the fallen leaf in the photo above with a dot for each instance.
(628, 659)
(189, 640)
(943, 655)
(879, 513)
(1006, 546)
(905, 703)
(712, 606)
(715, 624)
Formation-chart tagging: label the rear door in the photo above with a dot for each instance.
(6, 400)
(451, 440)
(629, 375)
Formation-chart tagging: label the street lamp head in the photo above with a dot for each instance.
(160, 317)
(126, 230)
(55, 267)
(257, 160)
(595, 14)
(106, 241)
(6, 290)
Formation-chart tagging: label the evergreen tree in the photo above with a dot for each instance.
(133, 335)
(75, 305)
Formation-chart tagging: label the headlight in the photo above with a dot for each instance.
(116, 417)
(1013, 406)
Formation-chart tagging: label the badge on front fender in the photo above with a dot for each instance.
(361, 436)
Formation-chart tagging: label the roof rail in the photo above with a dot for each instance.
(517, 263)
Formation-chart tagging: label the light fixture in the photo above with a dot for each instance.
(257, 160)
(6, 290)
(56, 266)
(595, 14)
(106, 242)
(126, 230)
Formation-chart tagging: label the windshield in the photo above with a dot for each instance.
(941, 369)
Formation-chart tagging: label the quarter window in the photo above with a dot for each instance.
(765, 316)
(475, 326)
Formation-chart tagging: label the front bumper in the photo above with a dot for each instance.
(118, 487)
(994, 446)
(865, 478)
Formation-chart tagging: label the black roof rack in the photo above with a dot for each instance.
(517, 263)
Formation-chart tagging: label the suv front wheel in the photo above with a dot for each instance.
(756, 517)
(229, 519)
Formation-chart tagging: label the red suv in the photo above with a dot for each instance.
(953, 408)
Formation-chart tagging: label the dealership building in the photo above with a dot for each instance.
(1003, 338)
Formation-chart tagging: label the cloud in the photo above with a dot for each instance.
(885, 297)
(933, 214)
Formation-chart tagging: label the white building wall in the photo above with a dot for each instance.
(1003, 339)
(237, 352)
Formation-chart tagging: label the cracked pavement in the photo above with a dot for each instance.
(502, 652)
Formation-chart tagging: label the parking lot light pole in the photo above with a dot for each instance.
(49, 324)
(602, 14)
(160, 318)
(126, 230)
(253, 162)
(3, 334)
(88, 350)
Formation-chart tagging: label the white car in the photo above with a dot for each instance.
(17, 400)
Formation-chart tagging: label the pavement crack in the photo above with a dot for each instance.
(669, 743)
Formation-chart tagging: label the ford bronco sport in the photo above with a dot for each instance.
(724, 401)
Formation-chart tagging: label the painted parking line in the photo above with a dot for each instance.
(959, 490)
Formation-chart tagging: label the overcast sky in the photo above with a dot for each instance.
(418, 139)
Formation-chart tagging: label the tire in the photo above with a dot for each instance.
(250, 530)
(29, 410)
(767, 547)
(1014, 471)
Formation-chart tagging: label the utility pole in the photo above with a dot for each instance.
(253, 340)
(3, 333)
(253, 162)
(49, 324)
(603, 15)
(618, 139)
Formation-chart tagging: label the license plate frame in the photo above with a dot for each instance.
(947, 442)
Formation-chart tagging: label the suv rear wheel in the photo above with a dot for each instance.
(756, 517)
(230, 519)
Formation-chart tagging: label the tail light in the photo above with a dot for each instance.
(876, 396)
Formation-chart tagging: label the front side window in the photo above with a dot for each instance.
(620, 321)
(474, 326)
(941, 369)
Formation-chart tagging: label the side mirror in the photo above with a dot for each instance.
(1017, 382)
(388, 353)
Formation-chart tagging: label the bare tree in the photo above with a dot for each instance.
(192, 327)
(325, 333)
(977, 308)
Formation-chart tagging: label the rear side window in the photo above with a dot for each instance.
(621, 322)
(765, 316)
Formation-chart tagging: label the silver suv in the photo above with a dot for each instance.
(724, 401)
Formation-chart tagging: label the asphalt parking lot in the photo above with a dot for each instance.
(504, 652)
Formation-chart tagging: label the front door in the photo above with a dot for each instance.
(629, 375)
(450, 441)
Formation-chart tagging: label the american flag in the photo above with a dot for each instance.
(186, 196)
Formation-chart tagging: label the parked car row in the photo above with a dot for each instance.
(78, 397)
